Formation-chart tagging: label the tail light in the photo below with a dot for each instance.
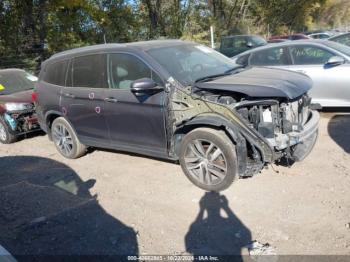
(34, 97)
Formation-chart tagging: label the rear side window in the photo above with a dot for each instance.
(89, 71)
(309, 55)
(270, 57)
(55, 73)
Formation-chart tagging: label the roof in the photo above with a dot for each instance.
(142, 45)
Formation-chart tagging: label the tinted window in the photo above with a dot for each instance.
(309, 55)
(125, 68)
(257, 40)
(89, 71)
(270, 57)
(55, 73)
(235, 42)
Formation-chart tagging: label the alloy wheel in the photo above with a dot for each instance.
(63, 139)
(205, 162)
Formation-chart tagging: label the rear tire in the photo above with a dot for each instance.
(66, 140)
(6, 137)
(208, 159)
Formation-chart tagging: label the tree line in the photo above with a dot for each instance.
(31, 30)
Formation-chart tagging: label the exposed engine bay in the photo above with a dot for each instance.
(23, 121)
(267, 130)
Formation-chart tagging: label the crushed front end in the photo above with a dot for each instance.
(20, 117)
(290, 127)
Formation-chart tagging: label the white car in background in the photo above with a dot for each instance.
(327, 63)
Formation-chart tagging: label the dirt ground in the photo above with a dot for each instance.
(114, 203)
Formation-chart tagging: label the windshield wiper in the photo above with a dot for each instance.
(226, 73)
(210, 77)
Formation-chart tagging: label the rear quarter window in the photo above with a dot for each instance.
(55, 73)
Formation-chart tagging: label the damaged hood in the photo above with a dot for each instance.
(262, 82)
(19, 97)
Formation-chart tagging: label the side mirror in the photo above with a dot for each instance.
(145, 86)
(335, 61)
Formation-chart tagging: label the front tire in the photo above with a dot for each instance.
(6, 137)
(208, 159)
(66, 140)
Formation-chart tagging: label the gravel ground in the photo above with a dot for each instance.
(114, 203)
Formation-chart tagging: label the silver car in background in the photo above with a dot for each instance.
(327, 63)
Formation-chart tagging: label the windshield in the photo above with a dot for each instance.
(187, 63)
(15, 81)
(338, 47)
(258, 41)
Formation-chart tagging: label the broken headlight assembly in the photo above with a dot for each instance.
(10, 107)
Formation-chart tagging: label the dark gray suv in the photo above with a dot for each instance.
(176, 100)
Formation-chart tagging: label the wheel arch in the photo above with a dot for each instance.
(218, 123)
(50, 116)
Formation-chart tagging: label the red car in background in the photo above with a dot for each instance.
(17, 115)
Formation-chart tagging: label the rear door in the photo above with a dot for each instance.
(331, 83)
(82, 100)
(134, 121)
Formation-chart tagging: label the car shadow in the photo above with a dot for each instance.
(339, 130)
(214, 234)
(47, 210)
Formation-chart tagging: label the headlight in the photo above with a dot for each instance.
(18, 106)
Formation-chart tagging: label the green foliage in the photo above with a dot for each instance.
(31, 30)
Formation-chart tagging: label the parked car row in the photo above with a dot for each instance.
(236, 44)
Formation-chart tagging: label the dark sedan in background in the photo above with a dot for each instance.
(326, 63)
(234, 45)
(17, 115)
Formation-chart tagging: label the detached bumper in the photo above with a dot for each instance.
(310, 128)
(309, 132)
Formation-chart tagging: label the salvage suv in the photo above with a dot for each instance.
(176, 100)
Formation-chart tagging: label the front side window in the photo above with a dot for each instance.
(89, 71)
(55, 73)
(270, 57)
(309, 55)
(125, 69)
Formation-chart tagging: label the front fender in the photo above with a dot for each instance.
(236, 133)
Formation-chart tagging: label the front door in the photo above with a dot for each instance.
(82, 101)
(135, 122)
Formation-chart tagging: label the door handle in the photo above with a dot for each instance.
(301, 71)
(69, 95)
(111, 100)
